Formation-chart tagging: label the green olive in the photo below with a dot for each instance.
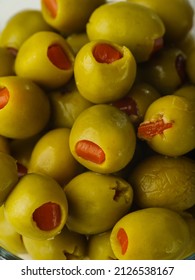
(24, 108)
(128, 24)
(8, 175)
(96, 201)
(9, 238)
(110, 68)
(187, 91)
(150, 234)
(67, 16)
(103, 139)
(37, 207)
(66, 105)
(7, 62)
(99, 247)
(188, 43)
(66, 245)
(177, 16)
(166, 71)
(21, 26)
(161, 181)
(51, 155)
(49, 65)
(169, 125)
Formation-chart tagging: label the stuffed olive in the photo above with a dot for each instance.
(103, 139)
(49, 65)
(68, 16)
(24, 108)
(110, 68)
(37, 207)
(150, 234)
(169, 125)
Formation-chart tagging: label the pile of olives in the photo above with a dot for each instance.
(97, 130)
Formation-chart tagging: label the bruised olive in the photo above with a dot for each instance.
(68, 16)
(49, 65)
(21, 26)
(37, 207)
(103, 139)
(128, 24)
(51, 155)
(160, 181)
(96, 201)
(190, 66)
(9, 238)
(24, 107)
(169, 125)
(66, 245)
(110, 68)
(8, 175)
(150, 234)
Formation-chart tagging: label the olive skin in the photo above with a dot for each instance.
(108, 81)
(9, 238)
(150, 234)
(7, 62)
(66, 245)
(99, 247)
(66, 16)
(161, 181)
(103, 139)
(130, 17)
(31, 193)
(27, 109)
(66, 105)
(172, 119)
(51, 156)
(177, 16)
(187, 91)
(77, 41)
(14, 34)
(37, 65)
(89, 195)
(8, 175)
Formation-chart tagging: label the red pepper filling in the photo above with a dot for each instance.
(105, 53)
(123, 240)
(148, 130)
(88, 150)
(47, 216)
(127, 105)
(58, 57)
(4, 97)
(51, 6)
